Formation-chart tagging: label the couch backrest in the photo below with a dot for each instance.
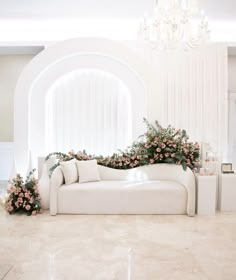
(171, 172)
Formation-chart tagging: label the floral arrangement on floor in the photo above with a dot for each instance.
(23, 196)
(157, 145)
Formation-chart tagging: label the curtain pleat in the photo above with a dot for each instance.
(90, 110)
(192, 87)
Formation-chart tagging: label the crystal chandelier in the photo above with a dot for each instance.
(175, 25)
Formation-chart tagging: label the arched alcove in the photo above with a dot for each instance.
(56, 61)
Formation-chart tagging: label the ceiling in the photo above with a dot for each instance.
(37, 22)
(49, 9)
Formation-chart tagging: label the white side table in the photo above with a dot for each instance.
(227, 192)
(206, 194)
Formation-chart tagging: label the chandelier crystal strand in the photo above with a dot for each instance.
(173, 25)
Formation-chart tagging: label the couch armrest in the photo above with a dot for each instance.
(189, 183)
(57, 180)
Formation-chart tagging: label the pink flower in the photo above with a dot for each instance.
(10, 208)
(34, 212)
(158, 150)
(20, 200)
(173, 155)
(27, 195)
(163, 146)
(27, 207)
(151, 160)
(186, 150)
(31, 200)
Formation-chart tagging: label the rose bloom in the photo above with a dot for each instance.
(20, 200)
(151, 160)
(31, 200)
(186, 150)
(27, 195)
(163, 146)
(158, 150)
(10, 208)
(27, 207)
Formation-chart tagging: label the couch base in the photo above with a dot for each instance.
(112, 197)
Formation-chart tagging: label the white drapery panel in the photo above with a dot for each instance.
(88, 109)
(232, 131)
(191, 93)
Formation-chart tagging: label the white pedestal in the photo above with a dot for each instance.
(227, 192)
(206, 194)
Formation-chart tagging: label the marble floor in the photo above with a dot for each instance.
(117, 247)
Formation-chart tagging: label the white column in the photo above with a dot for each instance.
(206, 194)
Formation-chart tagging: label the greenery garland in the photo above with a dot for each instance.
(157, 145)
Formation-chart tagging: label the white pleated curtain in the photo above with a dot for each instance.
(192, 92)
(88, 110)
(232, 131)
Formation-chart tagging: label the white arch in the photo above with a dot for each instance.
(56, 61)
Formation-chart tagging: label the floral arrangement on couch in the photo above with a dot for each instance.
(23, 196)
(157, 145)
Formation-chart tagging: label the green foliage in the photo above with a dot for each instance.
(23, 196)
(157, 145)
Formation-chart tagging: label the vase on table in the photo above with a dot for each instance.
(44, 187)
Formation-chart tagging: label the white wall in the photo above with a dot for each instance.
(232, 73)
(181, 89)
(10, 69)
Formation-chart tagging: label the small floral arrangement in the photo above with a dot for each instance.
(157, 145)
(23, 196)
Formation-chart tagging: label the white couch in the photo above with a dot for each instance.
(152, 189)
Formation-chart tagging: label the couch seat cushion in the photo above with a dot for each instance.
(123, 197)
